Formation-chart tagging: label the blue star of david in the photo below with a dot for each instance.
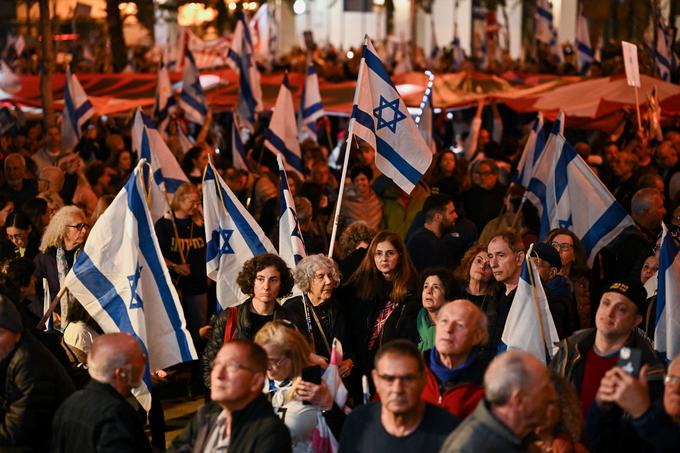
(398, 115)
(136, 300)
(225, 235)
(566, 223)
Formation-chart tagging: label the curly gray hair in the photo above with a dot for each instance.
(310, 265)
(56, 229)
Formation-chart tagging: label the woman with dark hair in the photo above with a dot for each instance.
(437, 286)
(39, 214)
(20, 233)
(445, 178)
(575, 270)
(122, 162)
(264, 279)
(194, 162)
(382, 298)
(360, 201)
(475, 278)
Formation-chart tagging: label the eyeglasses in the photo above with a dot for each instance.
(80, 227)
(562, 245)
(671, 379)
(405, 379)
(275, 363)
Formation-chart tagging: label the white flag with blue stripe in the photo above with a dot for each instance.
(569, 195)
(168, 173)
(192, 99)
(122, 281)
(545, 28)
(291, 244)
(530, 326)
(667, 330)
(532, 152)
(77, 110)
(238, 151)
(665, 58)
(233, 237)
(311, 108)
(584, 51)
(164, 102)
(241, 58)
(380, 117)
(282, 135)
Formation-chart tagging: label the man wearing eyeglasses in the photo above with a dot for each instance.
(651, 425)
(239, 418)
(401, 421)
(98, 417)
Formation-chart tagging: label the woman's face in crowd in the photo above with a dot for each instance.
(201, 161)
(386, 257)
(267, 285)
(18, 236)
(564, 244)
(361, 184)
(447, 164)
(321, 286)
(125, 161)
(433, 296)
(279, 365)
(649, 268)
(76, 232)
(480, 270)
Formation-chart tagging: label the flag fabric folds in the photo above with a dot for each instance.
(425, 120)
(165, 101)
(667, 330)
(241, 58)
(291, 244)
(282, 135)
(545, 28)
(232, 235)
(311, 108)
(569, 195)
(122, 281)
(584, 51)
(192, 99)
(168, 173)
(530, 326)
(380, 117)
(532, 152)
(77, 110)
(664, 56)
(238, 150)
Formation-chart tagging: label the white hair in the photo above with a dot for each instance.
(310, 265)
(506, 374)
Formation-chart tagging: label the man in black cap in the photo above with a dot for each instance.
(32, 385)
(588, 354)
(557, 289)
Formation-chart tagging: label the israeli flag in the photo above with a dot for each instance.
(530, 326)
(545, 28)
(667, 330)
(665, 59)
(238, 150)
(291, 244)
(569, 195)
(165, 101)
(233, 237)
(532, 152)
(584, 51)
(282, 135)
(148, 144)
(425, 120)
(122, 281)
(457, 53)
(380, 117)
(192, 99)
(77, 110)
(242, 60)
(311, 108)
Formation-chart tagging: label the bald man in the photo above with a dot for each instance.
(98, 417)
(17, 186)
(652, 425)
(517, 391)
(454, 367)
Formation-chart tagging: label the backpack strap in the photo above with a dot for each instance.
(232, 321)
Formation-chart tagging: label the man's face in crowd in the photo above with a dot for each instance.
(666, 155)
(15, 170)
(486, 176)
(656, 211)
(616, 316)
(671, 395)
(8, 341)
(505, 264)
(538, 396)
(232, 380)
(53, 137)
(399, 383)
(457, 332)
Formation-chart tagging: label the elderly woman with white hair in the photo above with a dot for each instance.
(316, 314)
(61, 242)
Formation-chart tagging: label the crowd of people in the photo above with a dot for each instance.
(416, 297)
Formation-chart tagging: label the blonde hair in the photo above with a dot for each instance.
(55, 231)
(183, 190)
(289, 340)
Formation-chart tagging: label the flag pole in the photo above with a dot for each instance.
(52, 307)
(350, 134)
(637, 107)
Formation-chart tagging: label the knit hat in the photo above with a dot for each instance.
(10, 318)
(548, 253)
(632, 289)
